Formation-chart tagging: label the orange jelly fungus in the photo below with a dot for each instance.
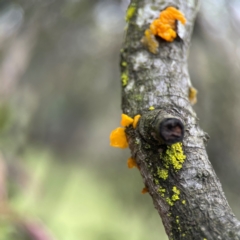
(126, 120)
(131, 163)
(165, 25)
(135, 120)
(118, 138)
(144, 190)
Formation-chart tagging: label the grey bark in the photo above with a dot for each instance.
(161, 80)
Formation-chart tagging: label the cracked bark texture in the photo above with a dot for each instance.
(162, 80)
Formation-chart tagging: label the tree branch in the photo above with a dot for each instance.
(179, 177)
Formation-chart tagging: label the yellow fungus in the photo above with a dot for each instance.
(118, 138)
(164, 27)
(151, 108)
(126, 120)
(135, 120)
(144, 190)
(192, 95)
(131, 163)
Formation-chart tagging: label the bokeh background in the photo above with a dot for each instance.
(60, 96)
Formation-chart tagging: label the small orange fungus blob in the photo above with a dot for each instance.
(144, 190)
(126, 120)
(135, 120)
(192, 95)
(118, 138)
(132, 163)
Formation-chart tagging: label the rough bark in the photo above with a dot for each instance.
(200, 210)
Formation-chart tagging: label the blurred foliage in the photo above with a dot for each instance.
(60, 98)
(4, 116)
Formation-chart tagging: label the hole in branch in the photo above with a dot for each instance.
(171, 130)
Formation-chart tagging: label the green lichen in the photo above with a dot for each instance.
(174, 156)
(124, 64)
(154, 8)
(183, 201)
(161, 190)
(137, 141)
(162, 173)
(175, 197)
(124, 78)
(130, 12)
(176, 194)
(176, 190)
(138, 97)
(169, 201)
(147, 146)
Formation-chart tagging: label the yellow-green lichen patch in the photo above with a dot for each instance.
(124, 78)
(174, 156)
(169, 201)
(124, 64)
(183, 201)
(176, 194)
(138, 97)
(177, 219)
(175, 197)
(162, 191)
(151, 108)
(130, 12)
(162, 173)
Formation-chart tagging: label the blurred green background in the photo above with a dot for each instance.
(60, 97)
